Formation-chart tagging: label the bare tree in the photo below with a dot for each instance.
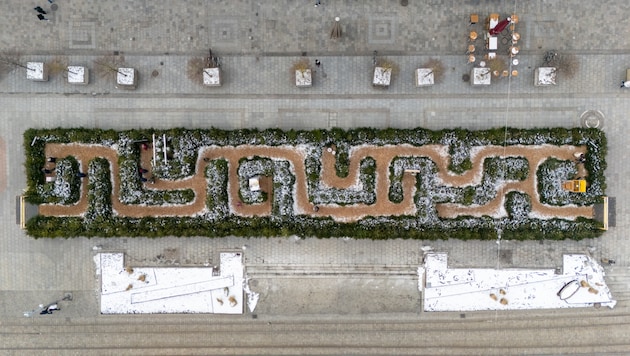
(9, 62)
(437, 68)
(388, 65)
(107, 66)
(565, 64)
(58, 65)
(497, 66)
(301, 65)
(568, 65)
(194, 71)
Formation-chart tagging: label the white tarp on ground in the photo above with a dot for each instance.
(169, 289)
(468, 289)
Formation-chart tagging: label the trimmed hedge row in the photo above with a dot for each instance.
(186, 144)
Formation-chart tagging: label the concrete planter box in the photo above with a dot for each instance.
(78, 75)
(544, 76)
(212, 77)
(303, 78)
(424, 77)
(127, 78)
(480, 76)
(37, 71)
(382, 77)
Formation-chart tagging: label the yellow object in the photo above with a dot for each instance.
(575, 186)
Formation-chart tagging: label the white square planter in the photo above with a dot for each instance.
(78, 75)
(126, 78)
(37, 71)
(303, 78)
(424, 77)
(480, 76)
(382, 77)
(212, 77)
(545, 76)
(254, 184)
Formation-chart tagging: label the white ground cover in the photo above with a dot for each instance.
(382, 76)
(77, 75)
(470, 289)
(126, 76)
(148, 290)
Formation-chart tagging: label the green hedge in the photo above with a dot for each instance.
(185, 145)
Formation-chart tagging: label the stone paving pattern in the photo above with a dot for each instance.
(162, 36)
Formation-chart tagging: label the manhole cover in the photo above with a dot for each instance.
(155, 73)
(593, 119)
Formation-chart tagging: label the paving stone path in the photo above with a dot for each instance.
(352, 212)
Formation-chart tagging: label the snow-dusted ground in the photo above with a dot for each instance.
(424, 76)
(468, 289)
(126, 76)
(147, 290)
(36, 71)
(212, 77)
(303, 78)
(78, 75)
(382, 76)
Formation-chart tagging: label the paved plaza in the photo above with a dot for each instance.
(368, 284)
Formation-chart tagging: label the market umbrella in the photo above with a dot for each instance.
(500, 27)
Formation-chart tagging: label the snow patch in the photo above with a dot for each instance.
(470, 289)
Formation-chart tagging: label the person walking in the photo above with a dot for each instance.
(625, 84)
(40, 10)
(42, 18)
(317, 3)
(318, 63)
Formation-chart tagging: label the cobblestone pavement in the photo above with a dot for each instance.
(163, 36)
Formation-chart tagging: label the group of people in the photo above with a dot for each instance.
(141, 172)
(581, 158)
(53, 162)
(41, 12)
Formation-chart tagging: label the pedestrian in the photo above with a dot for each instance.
(46, 171)
(42, 18)
(52, 159)
(625, 84)
(40, 10)
(81, 175)
(142, 170)
(317, 3)
(318, 63)
(51, 1)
